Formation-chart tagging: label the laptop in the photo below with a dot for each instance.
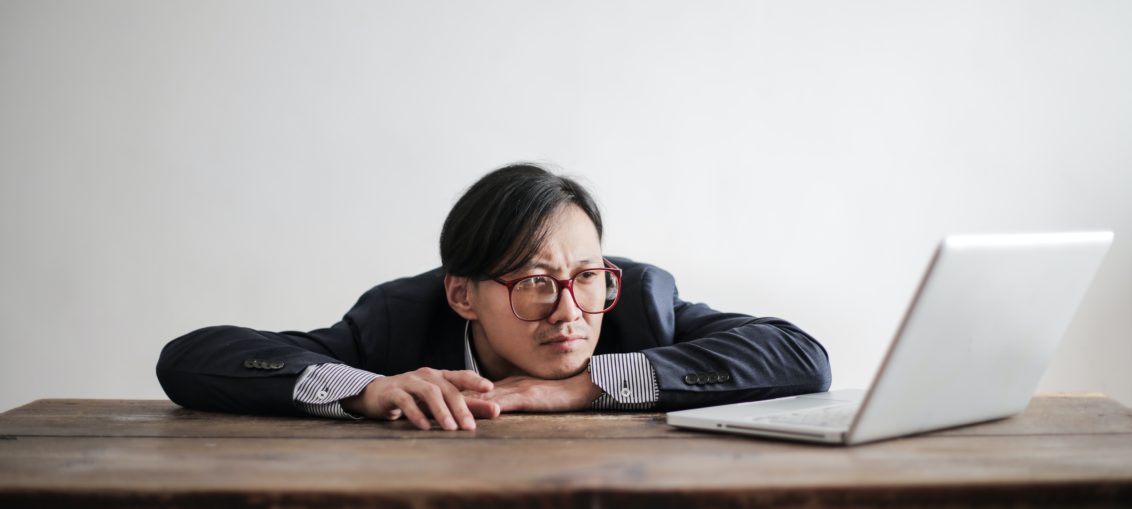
(972, 346)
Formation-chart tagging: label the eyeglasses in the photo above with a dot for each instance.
(535, 297)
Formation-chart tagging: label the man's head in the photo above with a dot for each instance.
(519, 221)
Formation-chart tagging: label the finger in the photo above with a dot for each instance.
(510, 402)
(495, 394)
(433, 398)
(483, 409)
(457, 406)
(468, 380)
(408, 406)
(498, 392)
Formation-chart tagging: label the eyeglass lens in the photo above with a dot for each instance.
(534, 297)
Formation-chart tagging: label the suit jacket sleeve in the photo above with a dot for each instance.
(719, 358)
(240, 370)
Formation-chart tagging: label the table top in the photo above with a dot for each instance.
(1064, 449)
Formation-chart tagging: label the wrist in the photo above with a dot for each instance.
(588, 390)
(353, 404)
(356, 404)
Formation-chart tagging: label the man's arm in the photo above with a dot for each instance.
(721, 358)
(605, 385)
(241, 370)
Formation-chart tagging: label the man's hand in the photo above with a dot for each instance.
(526, 394)
(426, 391)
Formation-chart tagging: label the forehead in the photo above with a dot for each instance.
(571, 241)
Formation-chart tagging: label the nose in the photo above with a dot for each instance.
(566, 311)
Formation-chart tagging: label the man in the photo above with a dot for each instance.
(511, 322)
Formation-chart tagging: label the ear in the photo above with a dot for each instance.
(458, 290)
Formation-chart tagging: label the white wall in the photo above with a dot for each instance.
(170, 165)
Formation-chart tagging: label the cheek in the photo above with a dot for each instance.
(498, 309)
(493, 305)
(507, 331)
(594, 322)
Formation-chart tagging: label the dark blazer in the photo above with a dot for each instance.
(701, 356)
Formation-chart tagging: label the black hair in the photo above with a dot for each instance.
(500, 223)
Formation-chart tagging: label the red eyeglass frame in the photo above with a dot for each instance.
(567, 284)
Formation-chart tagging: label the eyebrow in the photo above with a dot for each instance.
(537, 264)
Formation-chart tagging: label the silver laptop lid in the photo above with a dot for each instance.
(984, 324)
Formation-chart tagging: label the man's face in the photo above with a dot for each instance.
(559, 345)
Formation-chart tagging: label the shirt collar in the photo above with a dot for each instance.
(469, 359)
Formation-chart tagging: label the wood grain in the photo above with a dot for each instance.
(1046, 414)
(1063, 451)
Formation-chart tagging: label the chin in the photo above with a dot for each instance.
(562, 371)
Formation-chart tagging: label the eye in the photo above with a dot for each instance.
(534, 282)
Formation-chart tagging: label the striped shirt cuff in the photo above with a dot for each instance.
(627, 379)
(321, 388)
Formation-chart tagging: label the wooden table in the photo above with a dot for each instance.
(1065, 450)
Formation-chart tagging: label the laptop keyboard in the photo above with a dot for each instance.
(836, 416)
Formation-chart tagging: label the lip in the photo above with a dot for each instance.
(562, 340)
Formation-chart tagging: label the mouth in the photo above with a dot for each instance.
(562, 340)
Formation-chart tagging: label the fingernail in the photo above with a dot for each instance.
(469, 423)
(449, 424)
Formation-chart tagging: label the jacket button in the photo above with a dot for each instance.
(249, 364)
(724, 377)
(690, 379)
(701, 378)
(276, 365)
(713, 378)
